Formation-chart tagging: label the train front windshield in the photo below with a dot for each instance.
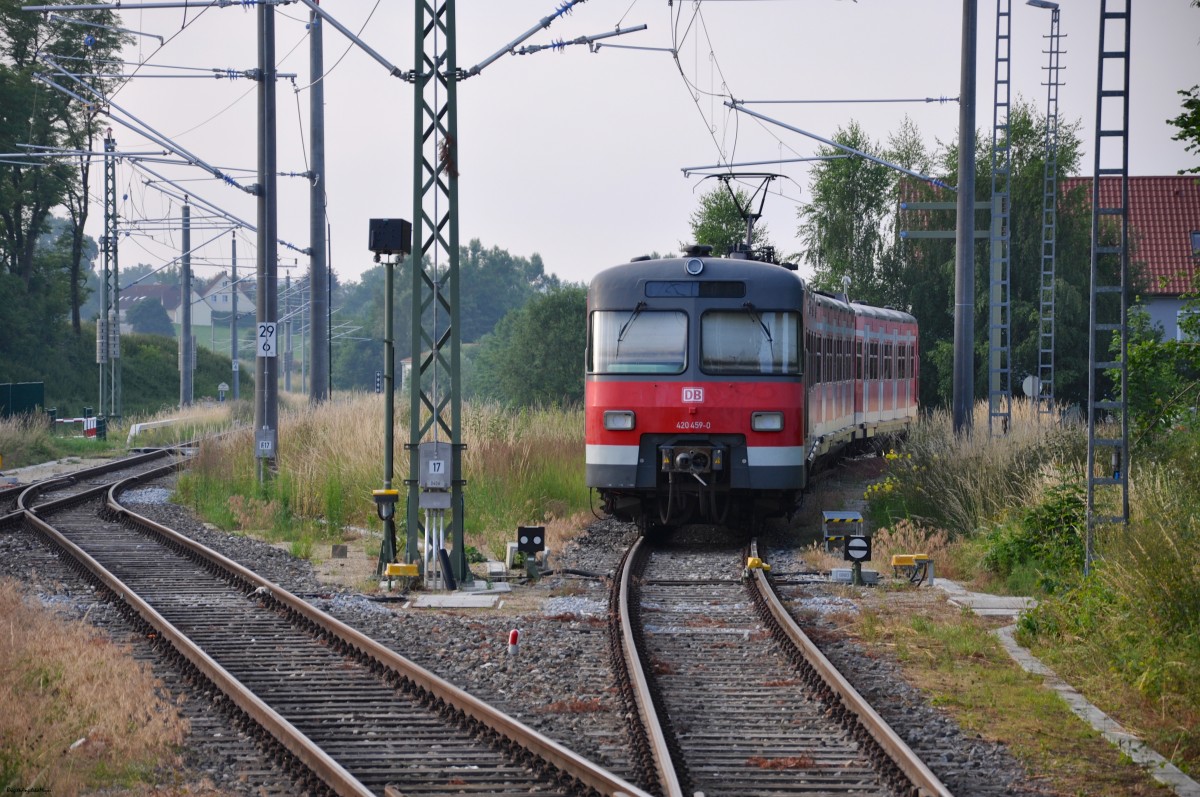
(750, 342)
(639, 341)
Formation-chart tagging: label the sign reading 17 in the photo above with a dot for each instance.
(266, 339)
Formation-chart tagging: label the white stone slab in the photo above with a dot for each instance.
(1158, 767)
(455, 600)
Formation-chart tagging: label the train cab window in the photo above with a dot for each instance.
(638, 341)
(750, 341)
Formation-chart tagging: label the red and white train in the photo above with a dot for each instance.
(717, 384)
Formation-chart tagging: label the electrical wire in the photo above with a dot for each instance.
(345, 52)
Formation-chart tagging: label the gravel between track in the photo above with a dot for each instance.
(559, 682)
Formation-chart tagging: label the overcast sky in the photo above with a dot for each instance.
(578, 156)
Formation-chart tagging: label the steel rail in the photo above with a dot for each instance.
(27, 495)
(284, 732)
(568, 762)
(659, 750)
(927, 783)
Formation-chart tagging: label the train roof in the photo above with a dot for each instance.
(710, 268)
(615, 286)
(763, 280)
(883, 313)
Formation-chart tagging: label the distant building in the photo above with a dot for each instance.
(1164, 239)
(167, 295)
(217, 293)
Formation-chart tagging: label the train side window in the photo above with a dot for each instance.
(638, 341)
(823, 359)
(887, 361)
(750, 342)
(859, 373)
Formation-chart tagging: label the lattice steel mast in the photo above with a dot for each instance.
(1044, 395)
(999, 348)
(435, 402)
(1108, 320)
(113, 271)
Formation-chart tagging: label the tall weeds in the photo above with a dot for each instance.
(25, 440)
(964, 484)
(522, 467)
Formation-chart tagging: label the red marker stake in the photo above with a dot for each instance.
(514, 638)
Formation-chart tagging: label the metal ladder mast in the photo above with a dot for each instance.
(999, 349)
(108, 333)
(435, 397)
(1109, 493)
(110, 231)
(1044, 396)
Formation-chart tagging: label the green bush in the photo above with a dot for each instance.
(1044, 546)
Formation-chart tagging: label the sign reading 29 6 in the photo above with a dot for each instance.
(266, 339)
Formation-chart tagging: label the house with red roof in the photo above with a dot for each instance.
(1164, 239)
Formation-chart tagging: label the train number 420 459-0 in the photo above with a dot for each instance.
(693, 424)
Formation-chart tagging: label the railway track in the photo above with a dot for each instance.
(348, 715)
(18, 497)
(732, 698)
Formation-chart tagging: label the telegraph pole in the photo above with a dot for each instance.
(287, 334)
(266, 372)
(964, 251)
(319, 267)
(233, 318)
(185, 309)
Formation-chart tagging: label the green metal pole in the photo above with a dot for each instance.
(387, 551)
(422, 74)
(458, 561)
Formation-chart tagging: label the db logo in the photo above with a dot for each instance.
(693, 395)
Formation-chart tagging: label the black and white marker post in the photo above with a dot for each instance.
(857, 551)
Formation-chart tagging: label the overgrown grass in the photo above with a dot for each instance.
(1013, 509)
(30, 440)
(964, 485)
(952, 656)
(79, 713)
(192, 423)
(522, 467)
(1137, 616)
(25, 440)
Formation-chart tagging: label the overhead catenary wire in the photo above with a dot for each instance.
(136, 125)
(560, 45)
(209, 205)
(874, 159)
(688, 169)
(940, 100)
(73, 21)
(565, 7)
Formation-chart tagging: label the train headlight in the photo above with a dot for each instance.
(766, 421)
(618, 420)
